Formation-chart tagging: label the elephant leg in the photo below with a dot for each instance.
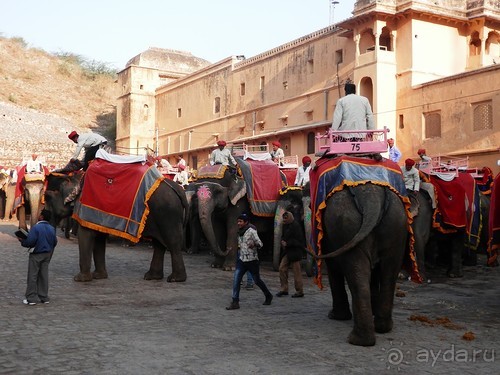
(21, 215)
(155, 271)
(383, 286)
(456, 247)
(195, 235)
(100, 257)
(86, 238)
(357, 269)
(340, 302)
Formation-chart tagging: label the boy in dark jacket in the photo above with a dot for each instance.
(292, 245)
(42, 238)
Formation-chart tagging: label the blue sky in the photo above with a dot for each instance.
(113, 31)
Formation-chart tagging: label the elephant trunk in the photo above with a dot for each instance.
(205, 210)
(369, 222)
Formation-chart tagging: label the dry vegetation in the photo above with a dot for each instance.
(42, 94)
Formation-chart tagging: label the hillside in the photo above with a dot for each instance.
(43, 97)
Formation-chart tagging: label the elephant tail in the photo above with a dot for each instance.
(364, 205)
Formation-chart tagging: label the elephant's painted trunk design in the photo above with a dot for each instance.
(206, 206)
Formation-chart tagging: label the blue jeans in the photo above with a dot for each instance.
(252, 268)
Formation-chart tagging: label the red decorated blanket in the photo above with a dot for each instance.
(263, 181)
(114, 198)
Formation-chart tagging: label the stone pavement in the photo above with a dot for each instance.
(126, 325)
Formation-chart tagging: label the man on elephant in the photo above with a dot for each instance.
(411, 176)
(302, 177)
(293, 247)
(91, 142)
(222, 155)
(33, 165)
(353, 112)
(248, 261)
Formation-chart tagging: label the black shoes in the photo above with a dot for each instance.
(281, 294)
(268, 300)
(235, 305)
(298, 295)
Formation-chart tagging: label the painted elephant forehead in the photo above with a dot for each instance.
(204, 192)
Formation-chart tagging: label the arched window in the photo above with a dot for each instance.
(475, 44)
(385, 39)
(492, 44)
(145, 112)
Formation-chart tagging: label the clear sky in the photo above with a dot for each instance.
(114, 31)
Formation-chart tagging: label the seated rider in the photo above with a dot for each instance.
(411, 176)
(352, 112)
(33, 165)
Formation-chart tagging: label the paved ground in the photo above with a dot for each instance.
(126, 325)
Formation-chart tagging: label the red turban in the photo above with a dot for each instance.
(421, 151)
(72, 135)
(409, 162)
(306, 159)
(221, 143)
(276, 143)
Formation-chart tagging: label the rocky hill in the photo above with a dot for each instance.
(43, 97)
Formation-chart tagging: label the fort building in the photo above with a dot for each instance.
(430, 69)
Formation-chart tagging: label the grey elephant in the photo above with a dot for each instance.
(164, 229)
(298, 201)
(214, 210)
(215, 204)
(364, 239)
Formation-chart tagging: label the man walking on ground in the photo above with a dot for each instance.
(42, 238)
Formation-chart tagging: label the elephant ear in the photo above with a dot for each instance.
(237, 191)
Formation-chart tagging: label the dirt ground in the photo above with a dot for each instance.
(126, 325)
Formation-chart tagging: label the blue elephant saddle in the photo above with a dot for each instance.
(114, 198)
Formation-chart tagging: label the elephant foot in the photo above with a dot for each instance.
(368, 339)
(150, 275)
(191, 251)
(83, 277)
(100, 275)
(176, 278)
(229, 268)
(383, 325)
(216, 265)
(339, 315)
(455, 274)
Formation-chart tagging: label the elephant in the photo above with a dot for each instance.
(365, 231)
(10, 192)
(167, 218)
(33, 195)
(298, 201)
(439, 243)
(422, 213)
(215, 204)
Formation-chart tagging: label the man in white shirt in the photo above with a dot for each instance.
(302, 177)
(353, 112)
(222, 155)
(411, 176)
(182, 177)
(277, 154)
(91, 142)
(33, 165)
